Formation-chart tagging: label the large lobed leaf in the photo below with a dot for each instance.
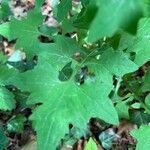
(25, 31)
(66, 102)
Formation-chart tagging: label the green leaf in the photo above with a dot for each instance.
(117, 60)
(65, 99)
(85, 17)
(112, 15)
(3, 59)
(74, 135)
(16, 124)
(142, 136)
(136, 105)
(66, 102)
(26, 31)
(146, 7)
(63, 8)
(140, 118)
(147, 101)
(5, 74)
(4, 9)
(91, 145)
(85, 2)
(122, 109)
(6, 98)
(3, 139)
(146, 80)
(126, 41)
(67, 26)
(141, 45)
(39, 3)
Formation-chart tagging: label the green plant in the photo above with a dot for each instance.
(87, 67)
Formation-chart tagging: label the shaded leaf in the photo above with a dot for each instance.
(141, 45)
(146, 85)
(122, 109)
(112, 15)
(3, 139)
(139, 117)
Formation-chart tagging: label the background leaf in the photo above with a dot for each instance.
(27, 31)
(3, 139)
(142, 136)
(112, 15)
(91, 145)
(141, 43)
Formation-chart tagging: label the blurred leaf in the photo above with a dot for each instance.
(147, 101)
(141, 45)
(63, 8)
(107, 137)
(146, 85)
(4, 9)
(122, 109)
(139, 117)
(91, 145)
(126, 41)
(136, 105)
(113, 15)
(3, 139)
(6, 99)
(16, 124)
(3, 58)
(142, 136)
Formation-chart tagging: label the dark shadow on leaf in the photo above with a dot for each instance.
(66, 72)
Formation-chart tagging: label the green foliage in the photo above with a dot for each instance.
(142, 136)
(3, 139)
(147, 101)
(122, 109)
(6, 98)
(112, 15)
(4, 9)
(88, 63)
(63, 8)
(146, 86)
(27, 31)
(91, 145)
(141, 43)
(67, 99)
(140, 117)
(16, 124)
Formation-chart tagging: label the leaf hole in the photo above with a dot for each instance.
(83, 74)
(70, 126)
(45, 39)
